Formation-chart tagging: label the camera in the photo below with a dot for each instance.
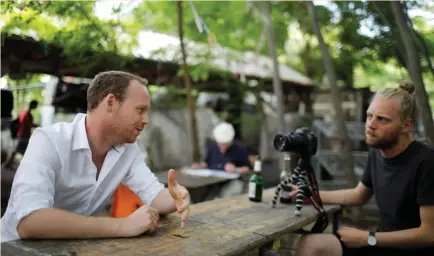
(302, 141)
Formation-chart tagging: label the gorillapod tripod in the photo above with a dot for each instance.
(304, 178)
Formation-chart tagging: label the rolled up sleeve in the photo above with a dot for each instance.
(142, 181)
(34, 183)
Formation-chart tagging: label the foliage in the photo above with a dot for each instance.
(371, 57)
(232, 23)
(71, 25)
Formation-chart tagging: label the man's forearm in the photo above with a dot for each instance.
(409, 238)
(244, 170)
(51, 223)
(341, 197)
(164, 202)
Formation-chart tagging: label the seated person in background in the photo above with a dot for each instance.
(227, 155)
(400, 173)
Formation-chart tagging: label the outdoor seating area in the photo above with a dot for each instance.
(221, 128)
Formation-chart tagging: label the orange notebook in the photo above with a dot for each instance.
(125, 202)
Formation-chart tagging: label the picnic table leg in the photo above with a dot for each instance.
(267, 250)
(208, 189)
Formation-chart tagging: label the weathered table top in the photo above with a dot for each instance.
(226, 226)
(190, 181)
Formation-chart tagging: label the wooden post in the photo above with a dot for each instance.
(187, 84)
(277, 83)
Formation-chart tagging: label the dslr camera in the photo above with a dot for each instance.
(302, 141)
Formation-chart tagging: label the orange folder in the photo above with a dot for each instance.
(125, 202)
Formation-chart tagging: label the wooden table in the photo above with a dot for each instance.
(200, 188)
(229, 226)
(190, 181)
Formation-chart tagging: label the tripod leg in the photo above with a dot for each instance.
(293, 179)
(279, 188)
(300, 196)
(302, 191)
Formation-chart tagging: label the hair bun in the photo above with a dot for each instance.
(407, 86)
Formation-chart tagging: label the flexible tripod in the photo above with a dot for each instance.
(304, 178)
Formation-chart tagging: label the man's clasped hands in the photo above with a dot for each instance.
(146, 218)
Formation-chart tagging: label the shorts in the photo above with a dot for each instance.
(377, 251)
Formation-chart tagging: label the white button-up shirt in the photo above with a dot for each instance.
(57, 171)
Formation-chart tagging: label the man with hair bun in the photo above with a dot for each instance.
(400, 174)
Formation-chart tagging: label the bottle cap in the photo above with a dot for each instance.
(258, 164)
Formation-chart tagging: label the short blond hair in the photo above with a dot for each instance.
(405, 94)
(115, 82)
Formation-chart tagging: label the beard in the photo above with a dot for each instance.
(383, 143)
(120, 134)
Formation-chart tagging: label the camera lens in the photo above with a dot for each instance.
(280, 142)
(302, 140)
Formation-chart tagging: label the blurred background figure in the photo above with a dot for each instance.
(226, 154)
(21, 129)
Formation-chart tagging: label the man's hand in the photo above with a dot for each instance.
(229, 167)
(196, 166)
(352, 237)
(143, 220)
(180, 195)
(293, 193)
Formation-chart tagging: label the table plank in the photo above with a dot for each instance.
(240, 213)
(227, 226)
(189, 181)
(195, 239)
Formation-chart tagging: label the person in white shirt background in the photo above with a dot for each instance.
(70, 170)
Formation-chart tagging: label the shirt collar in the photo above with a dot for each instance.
(80, 140)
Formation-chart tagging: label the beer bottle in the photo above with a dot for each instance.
(256, 183)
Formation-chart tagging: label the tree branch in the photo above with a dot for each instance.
(425, 50)
(83, 11)
(399, 48)
(419, 40)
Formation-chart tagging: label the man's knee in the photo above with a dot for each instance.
(319, 244)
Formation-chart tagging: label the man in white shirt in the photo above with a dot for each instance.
(70, 170)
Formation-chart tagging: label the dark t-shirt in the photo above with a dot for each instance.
(235, 154)
(401, 185)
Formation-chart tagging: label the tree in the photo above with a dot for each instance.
(345, 150)
(187, 83)
(414, 68)
(73, 27)
(277, 83)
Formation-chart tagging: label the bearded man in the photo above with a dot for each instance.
(400, 174)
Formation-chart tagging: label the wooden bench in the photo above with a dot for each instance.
(228, 226)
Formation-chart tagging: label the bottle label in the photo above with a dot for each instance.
(252, 189)
(257, 167)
